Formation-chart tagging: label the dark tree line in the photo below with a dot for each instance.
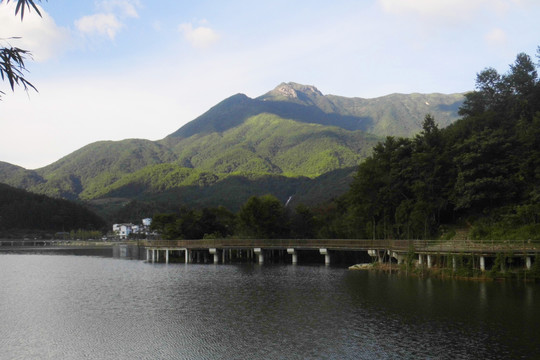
(20, 209)
(260, 217)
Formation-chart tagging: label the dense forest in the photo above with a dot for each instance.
(481, 173)
(23, 212)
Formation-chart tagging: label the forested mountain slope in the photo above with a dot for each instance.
(290, 134)
(395, 114)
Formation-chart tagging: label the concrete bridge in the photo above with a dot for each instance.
(58, 246)
(424, 251)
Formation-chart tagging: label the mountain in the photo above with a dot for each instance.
(391, 115)
(18, 176)
(283, 142)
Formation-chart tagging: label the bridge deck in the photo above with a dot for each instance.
(402, 246)
(417, 246)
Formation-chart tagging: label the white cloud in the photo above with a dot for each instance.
(199, 37)
(101, 24)
(124, 8)
(108, 22)
(40, 35)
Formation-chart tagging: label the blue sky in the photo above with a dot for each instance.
(117, 69)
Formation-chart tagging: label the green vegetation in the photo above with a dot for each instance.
(261, 217)
(190, 224)
(266, 143)
(395, 114)
(22, 211)
(482, 170)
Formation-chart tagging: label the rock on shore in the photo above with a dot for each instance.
(361, 267)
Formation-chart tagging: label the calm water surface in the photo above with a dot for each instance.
(77, 307)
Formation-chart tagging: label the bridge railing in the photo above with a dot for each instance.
(432, 246)
(443, 246)
(58, 243)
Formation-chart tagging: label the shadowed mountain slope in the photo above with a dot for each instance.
(391, 115)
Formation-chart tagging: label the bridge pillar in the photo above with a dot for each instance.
(429, 261)
(454, 264)
(326, 254)
(147, 254)
(166, 256)
(294, 255)
(400, 258)
(214, 252)
(482, 263)
(259, 252)
(420, 260)
(528, 263)
(375, 254)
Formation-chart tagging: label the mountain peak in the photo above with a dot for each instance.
(293, 92)
(292, 89)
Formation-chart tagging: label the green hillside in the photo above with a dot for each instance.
(283, 143)
(200, 190)
(266, 143)
(18, 176)
(84, 173)
(410, 109)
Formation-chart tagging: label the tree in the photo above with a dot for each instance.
(511, 95)
(164, 225)
(12, 59)
(263, 217)
(382, 183)
(303, 223)
(193, 224)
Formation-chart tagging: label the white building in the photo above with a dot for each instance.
(123, 230)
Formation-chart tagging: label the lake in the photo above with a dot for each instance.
(75, 307)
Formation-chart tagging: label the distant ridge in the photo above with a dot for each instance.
(395, 114)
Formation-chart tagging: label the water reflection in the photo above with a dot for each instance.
(67, 307)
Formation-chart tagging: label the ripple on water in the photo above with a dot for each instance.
(67, 307)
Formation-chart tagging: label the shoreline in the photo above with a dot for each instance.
(529, 276)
